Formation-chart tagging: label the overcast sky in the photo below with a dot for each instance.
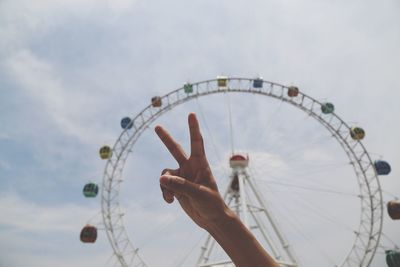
(71, 69)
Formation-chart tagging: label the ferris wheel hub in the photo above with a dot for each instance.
(239, 161)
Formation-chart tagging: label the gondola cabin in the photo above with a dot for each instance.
(293, 91)
(239, 161)
(258, 83)
(188, 88)
(126, 123)
(327, 108)
(382, 167)
(235, 183)
(89, 234)
(105, 152)
(222, 82)
(156, 101)
(392, 258)
(357, 133)
(90, 190)
(393, 208)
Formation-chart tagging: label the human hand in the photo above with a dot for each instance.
(193, 183)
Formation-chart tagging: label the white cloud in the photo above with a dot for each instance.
(42, 82)
(22, 215)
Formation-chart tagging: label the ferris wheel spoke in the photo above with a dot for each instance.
(312, 207)
(292, 130)
(298, 231)
(211, 136)
(185, 256)
(155, 233)
(315, 189)
(310, 185)
(265, 134)
(231, 133)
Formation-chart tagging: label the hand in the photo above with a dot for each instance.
(193, 183)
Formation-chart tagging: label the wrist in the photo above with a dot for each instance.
(223, 221)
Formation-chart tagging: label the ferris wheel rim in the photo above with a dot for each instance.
(111, 210)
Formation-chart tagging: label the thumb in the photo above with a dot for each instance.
(180, 185)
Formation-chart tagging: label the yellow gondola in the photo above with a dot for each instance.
(222, 82)
(357, 133)
(105, 152)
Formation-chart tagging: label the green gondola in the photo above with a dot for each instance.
(188, 88)
(327, 108)
(393, 258)
(90, 190)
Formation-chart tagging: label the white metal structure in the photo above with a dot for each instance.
(370, 227)
(262, 218)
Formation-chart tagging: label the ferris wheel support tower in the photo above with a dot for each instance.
(243, 197)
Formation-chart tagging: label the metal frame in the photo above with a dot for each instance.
(370, 228)
(261, 214)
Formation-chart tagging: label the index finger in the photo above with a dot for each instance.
(196, 140)
(173, 147)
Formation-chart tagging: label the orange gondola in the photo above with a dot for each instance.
(293, 91)
(393, 208)
(156, 101)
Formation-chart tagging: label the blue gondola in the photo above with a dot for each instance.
(382, 167)
(258, 83)
(126, 123)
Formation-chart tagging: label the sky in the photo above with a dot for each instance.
(70, 70)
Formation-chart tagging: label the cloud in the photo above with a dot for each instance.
(83, 65)
(21, 215)
(41, 81)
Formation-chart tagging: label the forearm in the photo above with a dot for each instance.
(239, 243)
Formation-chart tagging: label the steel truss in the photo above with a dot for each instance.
(367, 236)
(237, 199)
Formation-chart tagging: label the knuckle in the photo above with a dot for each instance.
(165, 171)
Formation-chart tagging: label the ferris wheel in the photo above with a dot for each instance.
(241, 192)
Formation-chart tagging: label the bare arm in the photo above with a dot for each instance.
(194, 186)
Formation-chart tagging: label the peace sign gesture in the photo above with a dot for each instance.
(194, 186)
(193, 183)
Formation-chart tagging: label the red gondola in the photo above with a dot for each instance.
(89, 234)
